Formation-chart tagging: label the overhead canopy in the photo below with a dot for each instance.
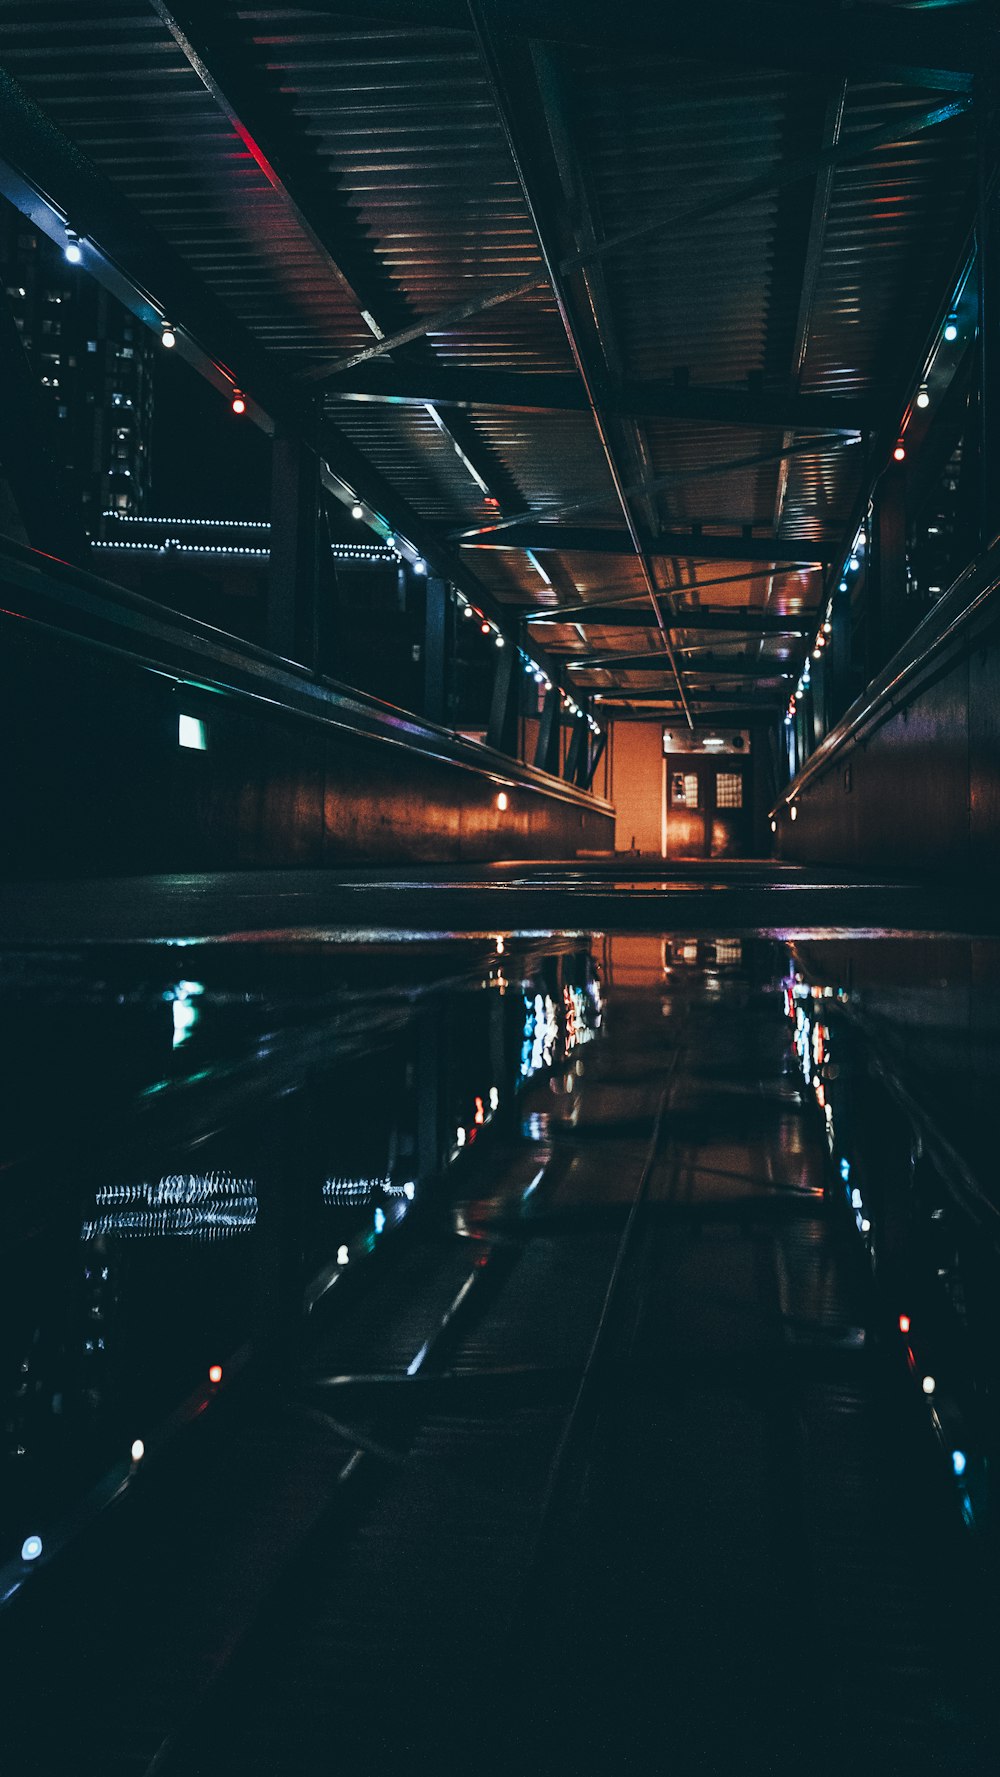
(655, 288)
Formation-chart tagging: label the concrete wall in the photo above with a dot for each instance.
(910, 779)
(95, 782)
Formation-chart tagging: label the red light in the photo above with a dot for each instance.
(899, 454)
(904, 1323)
(239, 402)
(480, 1111)
(485, 628)
(215, 1373)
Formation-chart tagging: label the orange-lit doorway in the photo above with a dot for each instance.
(708, 802)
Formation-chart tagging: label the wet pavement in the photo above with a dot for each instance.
(576, 1347)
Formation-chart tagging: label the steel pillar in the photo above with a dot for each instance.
(502, 729)
(885, 584)
(293, 581)
(435, 649)
(549, 732)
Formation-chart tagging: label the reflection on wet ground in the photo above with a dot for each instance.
(327, 1172)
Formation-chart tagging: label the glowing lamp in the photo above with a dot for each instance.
(357, 511)
(485, 628)
(499, 642)
(958, 1461)
(342, 1255)
(928, 1385)
(923, 396)
(904, 1323)
(215, 1373)
(138, 1450)
(72, 250)
(793, 813)
(774, 826)
(899, 454)
(239, 401)
(168, 337)
(951, 329)
(502, 801)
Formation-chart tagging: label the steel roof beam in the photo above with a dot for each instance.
(762, 705)
(738, 619)
(49, 179)
(930, 48)
(850, 153)
(253, 107)
(711, 666)
(518, 100)
(691, 545)
(405, 384)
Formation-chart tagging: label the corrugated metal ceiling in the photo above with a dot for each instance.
(407, 158)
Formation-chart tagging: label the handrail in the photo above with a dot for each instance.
(877, 702)
(79, 603)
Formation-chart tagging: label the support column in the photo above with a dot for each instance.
(885, 585)
(838, 656)
(501, 731)
(294, 577)
(549, 732)
(435, 637)
(596, 755)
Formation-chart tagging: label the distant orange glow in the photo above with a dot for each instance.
(904, 1323)
(215, 1373)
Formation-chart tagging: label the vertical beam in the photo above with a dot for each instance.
(576, 752)
(838, 656)
(293, 580)
(435, 629)
(28, 452)
(885, 585)
(549, 732)
(596, 755)
(501, 731)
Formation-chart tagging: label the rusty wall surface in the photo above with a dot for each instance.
(101, 785)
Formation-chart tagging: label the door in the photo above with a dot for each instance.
(708, 806)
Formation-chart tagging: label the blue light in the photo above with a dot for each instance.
(843, 586)
(958, 1461)
(31, 1548)
(951, 329)
(379, 1220)
(845, 1170)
